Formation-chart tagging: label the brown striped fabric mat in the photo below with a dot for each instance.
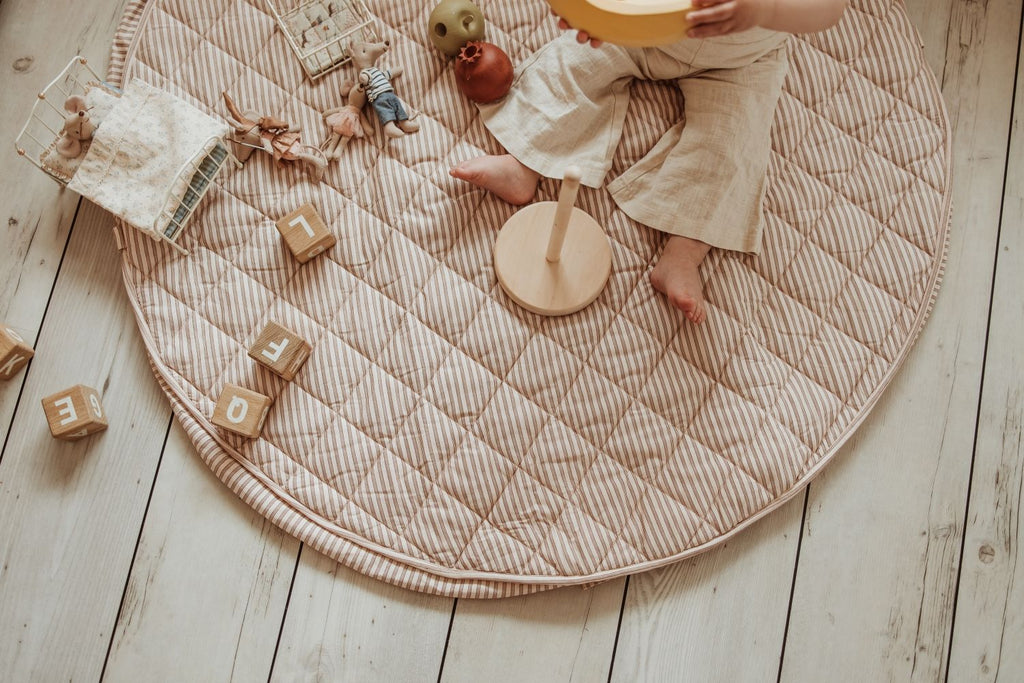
(441, 438)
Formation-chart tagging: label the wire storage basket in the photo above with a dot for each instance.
(321, 31)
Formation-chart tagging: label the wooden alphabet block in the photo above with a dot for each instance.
(241, 411)
(14, 353)
(305, 233)
(281, 350)
(74, 413)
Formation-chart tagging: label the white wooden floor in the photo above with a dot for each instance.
(123, 559)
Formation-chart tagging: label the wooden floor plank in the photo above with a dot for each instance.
(989, 626)
(36, 213)
(880, 551)
(685, 622)
(562, 635)
(209, 583)
(343, 626)
(71, 511)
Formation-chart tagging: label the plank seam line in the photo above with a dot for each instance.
(39, 333)
(284, 614)
(792, 585)
(984, 358)
(447, 640)
(135, 552)
(618, 629)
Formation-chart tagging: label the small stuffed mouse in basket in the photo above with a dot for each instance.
(379, 91)
(346, 122)
(77, 128)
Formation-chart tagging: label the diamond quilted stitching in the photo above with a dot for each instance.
(414, 353)
(543, 373)
(558, 458)
(426, 439)
(379, 404)
(495, 338)
(434, 305)
(510, 423)
(643, 442)
(608, 492)
(526, 510)
(593, 406)
(476, 475)
(379, 496)
(461, 388)
(660, 525)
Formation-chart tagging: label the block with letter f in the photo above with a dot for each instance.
(281, 350)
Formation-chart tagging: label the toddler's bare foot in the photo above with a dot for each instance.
(677, 276)
(409, 126)
(503, 175)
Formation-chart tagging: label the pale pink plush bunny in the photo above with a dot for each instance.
(77, 128)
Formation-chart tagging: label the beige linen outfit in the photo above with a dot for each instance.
(705, 177)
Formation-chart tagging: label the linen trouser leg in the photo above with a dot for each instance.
(567, 106)
(705, 178)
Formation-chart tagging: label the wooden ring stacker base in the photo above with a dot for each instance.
(553, 258)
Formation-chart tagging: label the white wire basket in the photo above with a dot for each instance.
(38, 140)
(321, 31)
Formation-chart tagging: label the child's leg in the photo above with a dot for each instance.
(567, 106)
(704, 181)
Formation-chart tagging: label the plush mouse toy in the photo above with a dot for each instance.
(379, 91)
(346, 122)
(77, 128)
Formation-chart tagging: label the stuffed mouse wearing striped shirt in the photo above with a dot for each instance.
(380, 92)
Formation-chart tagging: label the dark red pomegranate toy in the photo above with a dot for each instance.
(483, 72)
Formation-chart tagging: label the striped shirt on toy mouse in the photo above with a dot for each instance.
(379, 91)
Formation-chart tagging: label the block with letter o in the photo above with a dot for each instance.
(241, 411)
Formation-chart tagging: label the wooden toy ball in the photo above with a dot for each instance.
(453, 23)
(553, 258)
(632, 23)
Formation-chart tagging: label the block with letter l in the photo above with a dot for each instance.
(305, 233)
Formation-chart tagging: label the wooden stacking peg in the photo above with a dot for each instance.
(241, 411)
(14, 353)
(305, 233)
(75, 413)
(553, 258)
(281, 350)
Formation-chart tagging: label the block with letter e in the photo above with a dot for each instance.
(241, 411)
(14, 353)
(305, 233)
(75, 413)
(281, 350)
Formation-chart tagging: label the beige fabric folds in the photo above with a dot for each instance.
(442, 439)
(705, 177)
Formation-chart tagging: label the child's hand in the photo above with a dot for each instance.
(582, 37)
(719, 17)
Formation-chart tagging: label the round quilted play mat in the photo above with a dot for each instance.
(443, 439)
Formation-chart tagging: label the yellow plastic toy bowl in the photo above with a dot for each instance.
(633, 23)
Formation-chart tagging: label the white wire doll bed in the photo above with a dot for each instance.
(150, 158)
